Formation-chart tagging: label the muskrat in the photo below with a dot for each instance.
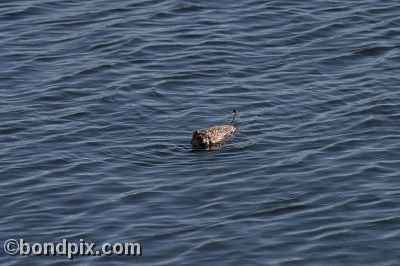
(215, 135)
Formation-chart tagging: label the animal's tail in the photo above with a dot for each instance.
(235, 117)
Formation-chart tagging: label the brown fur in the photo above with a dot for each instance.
(215, 135)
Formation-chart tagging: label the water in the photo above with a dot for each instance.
(98, 101)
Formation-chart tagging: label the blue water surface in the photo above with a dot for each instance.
(98, 100)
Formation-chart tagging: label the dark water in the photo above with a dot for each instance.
(98, 100)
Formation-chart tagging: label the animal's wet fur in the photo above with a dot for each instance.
(215, 135)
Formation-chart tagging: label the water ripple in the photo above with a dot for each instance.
(99, 99)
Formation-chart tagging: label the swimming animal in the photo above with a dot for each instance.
(215, 135)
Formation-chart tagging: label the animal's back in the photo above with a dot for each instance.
(218, 134)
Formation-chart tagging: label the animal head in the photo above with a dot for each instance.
(200, 138)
